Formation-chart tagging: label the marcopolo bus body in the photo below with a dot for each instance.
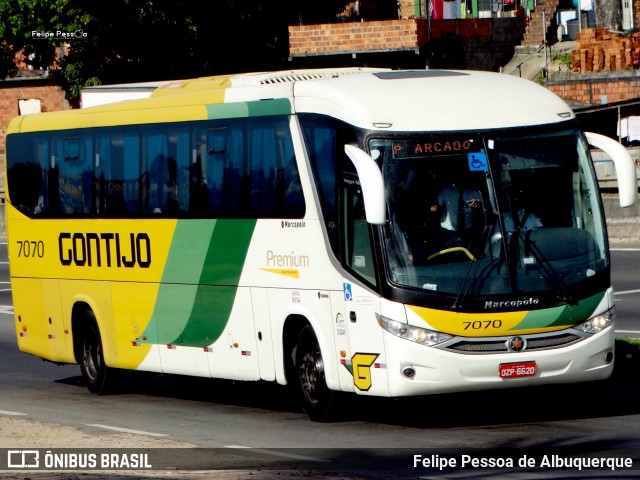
(381, 232)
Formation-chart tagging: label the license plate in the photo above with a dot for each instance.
(517, 370)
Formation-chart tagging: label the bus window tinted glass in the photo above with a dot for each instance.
(239, 168)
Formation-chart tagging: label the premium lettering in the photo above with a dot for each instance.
(105, 249)
(293, 260)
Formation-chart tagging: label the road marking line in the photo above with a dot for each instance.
(626, 292)
(5, 412)
(278, 454)
(126, 430)
(628, 331)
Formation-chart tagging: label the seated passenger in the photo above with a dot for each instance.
(457, 206)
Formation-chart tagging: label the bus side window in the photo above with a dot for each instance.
(216, 170)
(157, 159)
(131, 172)
(29, 178)
(179, 170)
(27, 169)
(293, 204)
(73, 155)
(357, 240)
(275, 183)
(111, 153)
(197, 199)
(288, 188)
(321, 138)
(263, 165)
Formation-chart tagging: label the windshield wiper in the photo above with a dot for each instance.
(472, 270)
(549, 272)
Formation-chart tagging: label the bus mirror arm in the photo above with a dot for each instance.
(625, 166)
(371, 182)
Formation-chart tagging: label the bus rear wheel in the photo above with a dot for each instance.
(95, 373)
(318, 401)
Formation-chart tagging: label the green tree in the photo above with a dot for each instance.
(122, 41)
(23, 25)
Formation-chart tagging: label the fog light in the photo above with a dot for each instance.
(409, 372)
(608, 357)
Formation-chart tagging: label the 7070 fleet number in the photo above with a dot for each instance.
(30, 248)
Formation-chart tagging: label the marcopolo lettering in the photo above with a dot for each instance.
(524, 302)
(108, 249)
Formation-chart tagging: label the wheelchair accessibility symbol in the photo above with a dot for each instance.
(477, 161)
(348, 296)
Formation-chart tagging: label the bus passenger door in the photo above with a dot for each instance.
(365, 359)
(264, 346)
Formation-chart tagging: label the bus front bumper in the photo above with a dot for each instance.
(415, 369)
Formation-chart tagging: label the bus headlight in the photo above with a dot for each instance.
(597, 324)
(409, 332)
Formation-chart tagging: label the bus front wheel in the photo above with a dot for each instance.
(317, 400)
(95, 372)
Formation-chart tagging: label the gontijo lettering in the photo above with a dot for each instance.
(104, 249)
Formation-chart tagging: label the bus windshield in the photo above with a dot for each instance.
(500, 213)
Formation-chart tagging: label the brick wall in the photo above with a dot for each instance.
(51, 97)
(380, 36)
(331, 38)
(596, 88)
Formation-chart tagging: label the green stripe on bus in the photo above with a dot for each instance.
(227, 252)
(200, 281)
(218, 282)
(559, 316)
(178, 289)
(280, 106)
(574, 314)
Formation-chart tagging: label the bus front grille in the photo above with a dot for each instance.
(499, 345)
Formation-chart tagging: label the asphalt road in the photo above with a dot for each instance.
(593, 419)
(625, 265)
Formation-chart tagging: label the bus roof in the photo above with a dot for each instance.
(378, 99)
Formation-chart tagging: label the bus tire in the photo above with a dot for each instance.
(95, 373)
(317, 400)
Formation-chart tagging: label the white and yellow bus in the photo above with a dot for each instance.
(388, 233)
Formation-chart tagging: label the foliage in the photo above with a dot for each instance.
(120, 41)
(22, 23)
(565, 58)
(631, 341)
